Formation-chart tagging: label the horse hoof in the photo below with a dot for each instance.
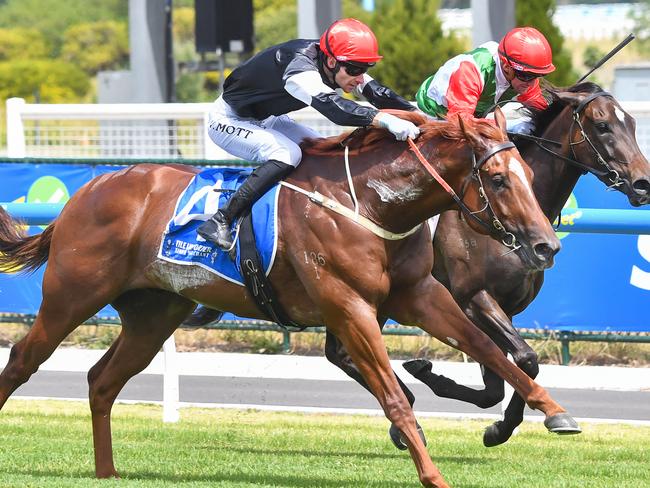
(398, 441)
(496, 434)
(417, 366)
(562, 424)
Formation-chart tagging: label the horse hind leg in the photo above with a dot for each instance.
(445, 387)
(56, 318)
(148, 318)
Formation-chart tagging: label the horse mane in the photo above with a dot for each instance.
(366, 138)
(542, 118)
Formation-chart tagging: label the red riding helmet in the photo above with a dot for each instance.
(526, 49)
(350, 40)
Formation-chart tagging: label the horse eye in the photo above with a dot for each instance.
(498, 181)
(603, 127)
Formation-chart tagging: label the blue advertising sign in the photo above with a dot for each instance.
(600, 282)
(38, 183)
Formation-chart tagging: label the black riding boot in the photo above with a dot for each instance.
(217, 228)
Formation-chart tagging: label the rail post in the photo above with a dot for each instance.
(565, 340)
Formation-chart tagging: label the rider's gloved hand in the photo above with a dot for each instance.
(400, 128)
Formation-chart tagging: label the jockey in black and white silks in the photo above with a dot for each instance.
(250, 119)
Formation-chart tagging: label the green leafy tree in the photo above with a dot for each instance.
(641, 16)
(591, 56)
(539, 14)
(412, 42)
(54, 17)
(96, 46)
(22, 43)
(183, 25)
(274, 22)
(50, 81)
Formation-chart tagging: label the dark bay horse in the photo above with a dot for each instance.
(584, 130)
(103, 249)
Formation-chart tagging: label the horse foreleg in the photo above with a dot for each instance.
(338, 356)
(490, 317)
(358, 331)
(148, 318)
(486, 313)
(430, 306)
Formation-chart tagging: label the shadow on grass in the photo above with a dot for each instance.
(347, 454)
(274, 480)
(53, 475)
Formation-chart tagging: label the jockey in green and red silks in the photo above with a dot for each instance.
(470, 84)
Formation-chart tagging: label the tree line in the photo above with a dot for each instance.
(51, 50)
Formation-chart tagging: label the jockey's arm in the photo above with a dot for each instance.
(308, 87)
(381, 96)
(464, 91)
(533, 97)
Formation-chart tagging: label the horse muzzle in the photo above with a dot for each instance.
(540, 255)
(640, 192)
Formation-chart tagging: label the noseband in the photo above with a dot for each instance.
(497, 229)
(609, 173)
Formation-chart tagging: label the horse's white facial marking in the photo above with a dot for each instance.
(620, 115)
(390, 195)
(515, 167)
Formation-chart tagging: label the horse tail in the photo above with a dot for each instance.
(20, 252)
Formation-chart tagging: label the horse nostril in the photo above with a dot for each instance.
(641, 187)
(545, 251)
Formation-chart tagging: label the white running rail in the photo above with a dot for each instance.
(156, 131)
(122, 131)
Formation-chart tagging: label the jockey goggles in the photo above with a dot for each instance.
(355, 69)
(525, 76)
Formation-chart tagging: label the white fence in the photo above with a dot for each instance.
(122, 131)
(155, 131)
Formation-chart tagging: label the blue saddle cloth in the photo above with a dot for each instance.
(180, 242)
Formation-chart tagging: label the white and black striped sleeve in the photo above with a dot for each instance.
(308, 87)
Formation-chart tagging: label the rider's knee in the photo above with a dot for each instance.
(289, 154)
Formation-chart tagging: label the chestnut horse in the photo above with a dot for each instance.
(584, 130)
(103, 249)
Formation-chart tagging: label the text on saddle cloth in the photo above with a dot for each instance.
(180, 243)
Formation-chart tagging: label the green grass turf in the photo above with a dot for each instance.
(49, 444)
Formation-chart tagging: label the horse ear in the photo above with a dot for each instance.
(470, 132)
(569, 98)
(500, 120)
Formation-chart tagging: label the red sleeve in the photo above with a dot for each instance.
(464, 90)
(533, 97)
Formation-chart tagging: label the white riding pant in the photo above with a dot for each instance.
(275, 137)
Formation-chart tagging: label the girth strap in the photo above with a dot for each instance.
(256, 280)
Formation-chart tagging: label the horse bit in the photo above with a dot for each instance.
(508, 239)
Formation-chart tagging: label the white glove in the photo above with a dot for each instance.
(400, 128)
